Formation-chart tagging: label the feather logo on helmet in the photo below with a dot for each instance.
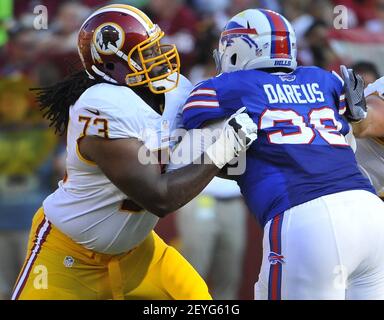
(108, 38)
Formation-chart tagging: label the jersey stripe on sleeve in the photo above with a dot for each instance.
(202, 105)
(201, 98)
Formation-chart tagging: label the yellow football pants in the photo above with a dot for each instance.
(58, 268)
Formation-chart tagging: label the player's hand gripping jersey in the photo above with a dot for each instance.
(87, 206)
(300, 119)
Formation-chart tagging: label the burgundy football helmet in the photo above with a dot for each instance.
(121, 45)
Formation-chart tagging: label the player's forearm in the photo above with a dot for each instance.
(143, 182)
(159, 193)
(175, 189)
(373, 124)
(361, 129)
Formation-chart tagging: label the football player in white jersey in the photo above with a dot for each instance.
(94, 235)
(365, 107)
(370, 149)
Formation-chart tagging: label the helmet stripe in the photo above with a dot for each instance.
(133, 9)
(280, 29)
(239, 31)
(142, 18)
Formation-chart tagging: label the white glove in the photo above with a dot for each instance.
(354, 94)
(376, 88)
(238, 134)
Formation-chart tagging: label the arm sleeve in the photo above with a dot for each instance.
(194, 144)
(376, 87)
(338, 91)
(203, 104)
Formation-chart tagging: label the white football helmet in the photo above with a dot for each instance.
(256, 39)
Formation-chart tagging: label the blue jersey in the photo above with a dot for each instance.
(301, 152)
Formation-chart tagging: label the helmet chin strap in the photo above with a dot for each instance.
(122, 55)
(97, 57)
(89, 75)
(102, 74)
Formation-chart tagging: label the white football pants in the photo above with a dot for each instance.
(331, 247)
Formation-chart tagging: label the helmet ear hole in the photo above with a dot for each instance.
(234, 58)
(110, 66)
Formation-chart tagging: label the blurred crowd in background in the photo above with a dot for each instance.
(32, 158)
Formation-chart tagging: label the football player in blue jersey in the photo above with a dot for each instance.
(322, 221)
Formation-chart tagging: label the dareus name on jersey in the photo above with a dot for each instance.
(286, 93)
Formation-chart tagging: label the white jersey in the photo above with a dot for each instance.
(370, 151)
(87, 206)
(370, 157)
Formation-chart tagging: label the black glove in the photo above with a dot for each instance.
(354, 95)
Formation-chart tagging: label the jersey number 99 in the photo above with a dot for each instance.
(321, 120)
